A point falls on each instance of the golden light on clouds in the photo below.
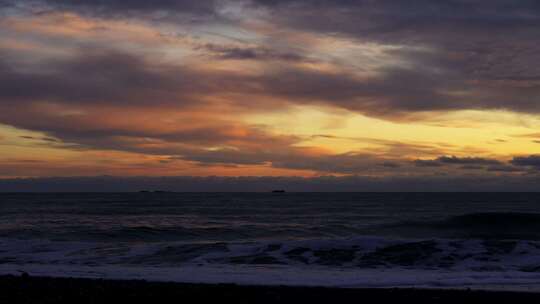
(246, 88)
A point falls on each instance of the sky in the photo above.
(372, 91)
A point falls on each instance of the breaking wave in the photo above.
(488, 225)
(362, 252)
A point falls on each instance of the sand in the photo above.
(26, 289)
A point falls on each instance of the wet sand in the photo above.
(25, 289)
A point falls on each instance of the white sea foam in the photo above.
(283, 275)
(356, 262)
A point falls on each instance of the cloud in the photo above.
(518, 164)
(125, 8)
(390, 164)
(46, 139)
(118, 101)
(504, 168)
(351, 163)
(185, 101)
(86, 98)
(450, 60)
(532, 161)
(345, 163)
(100, 77)
(427, 163)
(252, 53)
(266, 184)
(460, 55)
(432, 80)
(415, 21)
(466, 162)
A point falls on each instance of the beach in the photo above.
(26, 289)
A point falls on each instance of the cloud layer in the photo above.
(178, 83)
(267, 184)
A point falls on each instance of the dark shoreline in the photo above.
(25, 289)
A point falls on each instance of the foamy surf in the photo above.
(343, 240)
(280, 275)
(357, 262)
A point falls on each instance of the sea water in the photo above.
(326, 239)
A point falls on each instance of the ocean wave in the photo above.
(484, 225)
(359, 253)
(491, 219)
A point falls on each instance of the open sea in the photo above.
(483, 240)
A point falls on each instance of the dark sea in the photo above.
(485, 240)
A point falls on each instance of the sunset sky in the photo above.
(305, 88)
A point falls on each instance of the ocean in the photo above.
(455, 240)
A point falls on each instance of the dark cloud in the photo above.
(466, 162)
(127, 5)
(108, 76)
(252, 53)
(122, 78)
(518, 164)
(391, 92)
(266, 184)
(191, 10)
(427, 163)
(471, 167)
(390, 165)
(229, 156)
(504, 168)
(394, 20)
(387, 160)
(294, 158)
(466, 54)
(47, 139)
(345, 163)
(407, 22)
(100, 77)
(252, 146)
(532, 161)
